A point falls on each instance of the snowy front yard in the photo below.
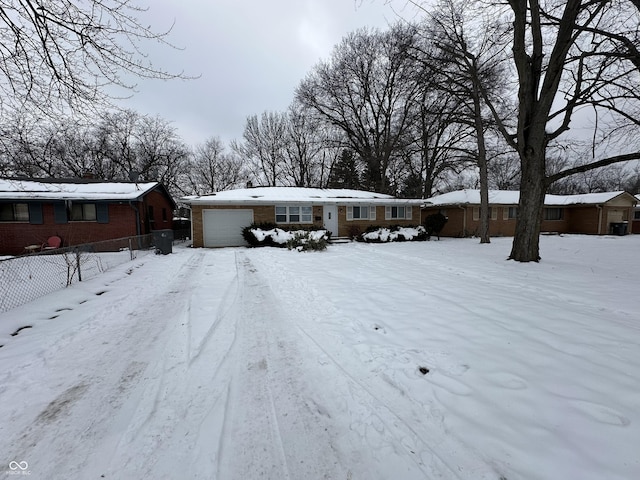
(394, 361)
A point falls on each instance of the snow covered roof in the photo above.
(509, 197)
(272, 195)
(15, 189)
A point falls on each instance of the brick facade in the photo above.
(15, 236)
(267, 214)
(579, 219)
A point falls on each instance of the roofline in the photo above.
(307, 201)
(546, 204)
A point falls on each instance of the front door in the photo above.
(330, 219)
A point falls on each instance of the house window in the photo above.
(164, 214)
(510, 213)
(14, 212)
(553, 214)
(397, 213)
(493, 213)
(294, 214)
(636, 215)
(361, 212)
(83, 212)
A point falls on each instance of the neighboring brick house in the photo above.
(592, 213)
(218, 219)
(78, 211)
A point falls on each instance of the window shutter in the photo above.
(476, 213)
(494, 213)
(408, 213)
(505, 213)
(387, 213)
(35, 213)
(102, 212)
(372, 212)
(60, 213)
(349, 213)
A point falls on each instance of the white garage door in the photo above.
(223, 228)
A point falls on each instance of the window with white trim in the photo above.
(398, 213)
(294, 214)
(361, 212)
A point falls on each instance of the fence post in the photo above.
(78, 264)
(130, 249)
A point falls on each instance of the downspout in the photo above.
(135, 208)
(464, 220)
(599, 207)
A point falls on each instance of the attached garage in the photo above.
(223, 228)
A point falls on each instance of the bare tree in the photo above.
(367, 90)
(112, 148)
(305, 144)
(568, 55)
(63, 53)
(211, 169)
(264, 147)
(467, 65)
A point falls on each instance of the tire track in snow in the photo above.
(269, 429)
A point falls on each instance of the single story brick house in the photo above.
(78, 211)
(591, 213)
(217, 219)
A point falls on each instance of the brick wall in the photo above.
(162, 212)
(575, 219)
(261, 214)
(351, 228)
(14, 236)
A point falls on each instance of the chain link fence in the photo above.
(27, 277)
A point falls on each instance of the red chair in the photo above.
(52, 243)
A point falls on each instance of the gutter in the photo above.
(464, 219)
(135, 208)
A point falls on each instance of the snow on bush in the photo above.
(395, 234)
(292, 239)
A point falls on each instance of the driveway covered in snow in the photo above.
(412, 361)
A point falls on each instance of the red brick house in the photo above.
(592, 213)
(78, 211)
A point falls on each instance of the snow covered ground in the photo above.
(368, 361)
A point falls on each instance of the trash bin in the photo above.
(163, 241)
(618, 228)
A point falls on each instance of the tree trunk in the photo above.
(526, 242)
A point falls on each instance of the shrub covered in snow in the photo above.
(394, 233)
(265, 234)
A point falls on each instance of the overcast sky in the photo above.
(250, 56)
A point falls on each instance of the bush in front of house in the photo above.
(270, 235)
(394, 233)
(308, 240)
(435, 223)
